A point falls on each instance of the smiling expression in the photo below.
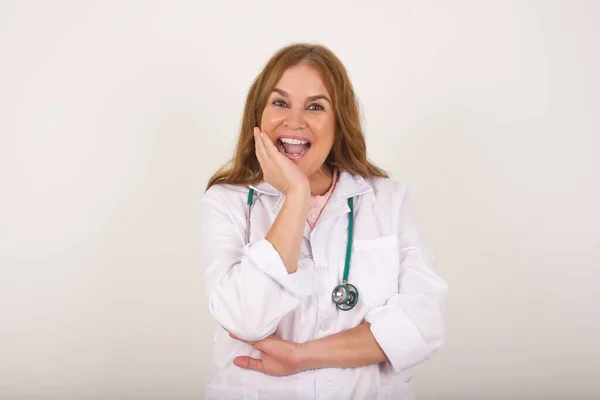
(299, 118)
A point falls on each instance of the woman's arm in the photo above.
(406, 330)
(250, 287)
(353, 348)
(286, 232)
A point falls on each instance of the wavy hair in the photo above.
(349, 148)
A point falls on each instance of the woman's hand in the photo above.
(353, 348)
(278, 357)
(287, 230)
(278, 170)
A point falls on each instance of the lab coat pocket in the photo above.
(375, 264)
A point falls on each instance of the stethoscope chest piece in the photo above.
(345, 296)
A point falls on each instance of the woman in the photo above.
(314, 269)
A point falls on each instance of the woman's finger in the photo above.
(261, 154)
(275, 155)
(249, 363)
(261, 151)
(269, 146)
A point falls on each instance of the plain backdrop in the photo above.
(113, 115)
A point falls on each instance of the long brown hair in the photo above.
(349, 148)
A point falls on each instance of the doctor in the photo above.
(314, 268)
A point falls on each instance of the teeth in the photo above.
(292, 141)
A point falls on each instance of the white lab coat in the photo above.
(251, 294)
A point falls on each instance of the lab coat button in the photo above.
(322, 269)
(325, 324)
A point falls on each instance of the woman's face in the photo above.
(299, 118)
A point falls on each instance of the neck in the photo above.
(320, 181)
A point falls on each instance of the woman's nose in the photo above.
(295, 120)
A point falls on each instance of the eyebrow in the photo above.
(309, 98)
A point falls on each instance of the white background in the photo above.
(114, 114)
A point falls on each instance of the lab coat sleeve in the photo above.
(248, 287)
(411, 325)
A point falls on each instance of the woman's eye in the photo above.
(279, 103)
(316, 107)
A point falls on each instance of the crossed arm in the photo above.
(353, 348)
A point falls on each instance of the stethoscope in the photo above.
(345, 296)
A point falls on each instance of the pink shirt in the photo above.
(318, 203)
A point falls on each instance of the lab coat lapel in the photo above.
(270, 197)
(348, 185)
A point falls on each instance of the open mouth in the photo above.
(293, 148)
